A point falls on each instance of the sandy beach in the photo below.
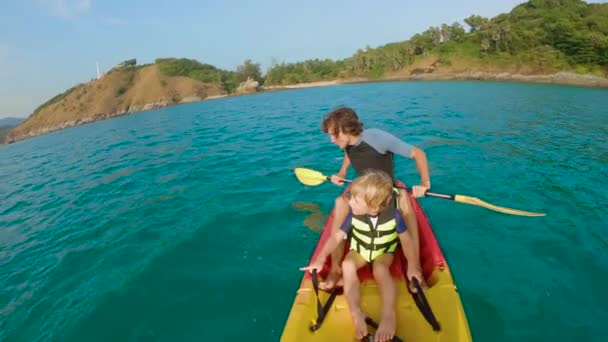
(563, 78)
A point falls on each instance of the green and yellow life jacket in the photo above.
(371, 242)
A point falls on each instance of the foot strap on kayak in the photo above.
(374, 325)
(321, 309)
(423, 305)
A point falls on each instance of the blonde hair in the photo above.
(376, 189)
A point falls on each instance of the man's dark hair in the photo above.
(343, 120)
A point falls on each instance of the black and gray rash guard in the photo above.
(375, 149)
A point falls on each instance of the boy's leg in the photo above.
(341, 210)
(386, 285)
(351, 264)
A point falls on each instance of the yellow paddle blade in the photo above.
(476, 201)
(310, 177)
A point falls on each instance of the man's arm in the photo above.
(338, 177)
(345, 165)
(422, 165)
(387, 142)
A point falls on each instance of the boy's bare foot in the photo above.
(333, 279)
(360, 325)
(386, 330)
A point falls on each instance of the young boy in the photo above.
(374, 229)
(372, 149)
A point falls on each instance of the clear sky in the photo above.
(47, 46)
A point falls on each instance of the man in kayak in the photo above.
(372, 149)
(374, 228)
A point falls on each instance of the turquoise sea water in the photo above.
(187, 224)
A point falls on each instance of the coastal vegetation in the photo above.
(536, 37)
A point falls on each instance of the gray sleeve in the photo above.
(385, 142)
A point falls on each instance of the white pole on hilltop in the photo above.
(98, 74)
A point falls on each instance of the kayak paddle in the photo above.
(314, 178)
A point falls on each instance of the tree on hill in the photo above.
(128, 62)
(228, 80)
(249, 70)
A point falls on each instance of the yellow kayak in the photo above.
(438, 315)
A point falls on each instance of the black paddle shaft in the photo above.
(322, 310)
(423, 305)
(427, 193)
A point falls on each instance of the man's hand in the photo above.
(420, 190)
(337, 179)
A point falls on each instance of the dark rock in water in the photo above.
(316, 220)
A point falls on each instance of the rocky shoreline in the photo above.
(562, 78)
(97, 117)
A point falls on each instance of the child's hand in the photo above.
(415, 273)
(318, 266)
